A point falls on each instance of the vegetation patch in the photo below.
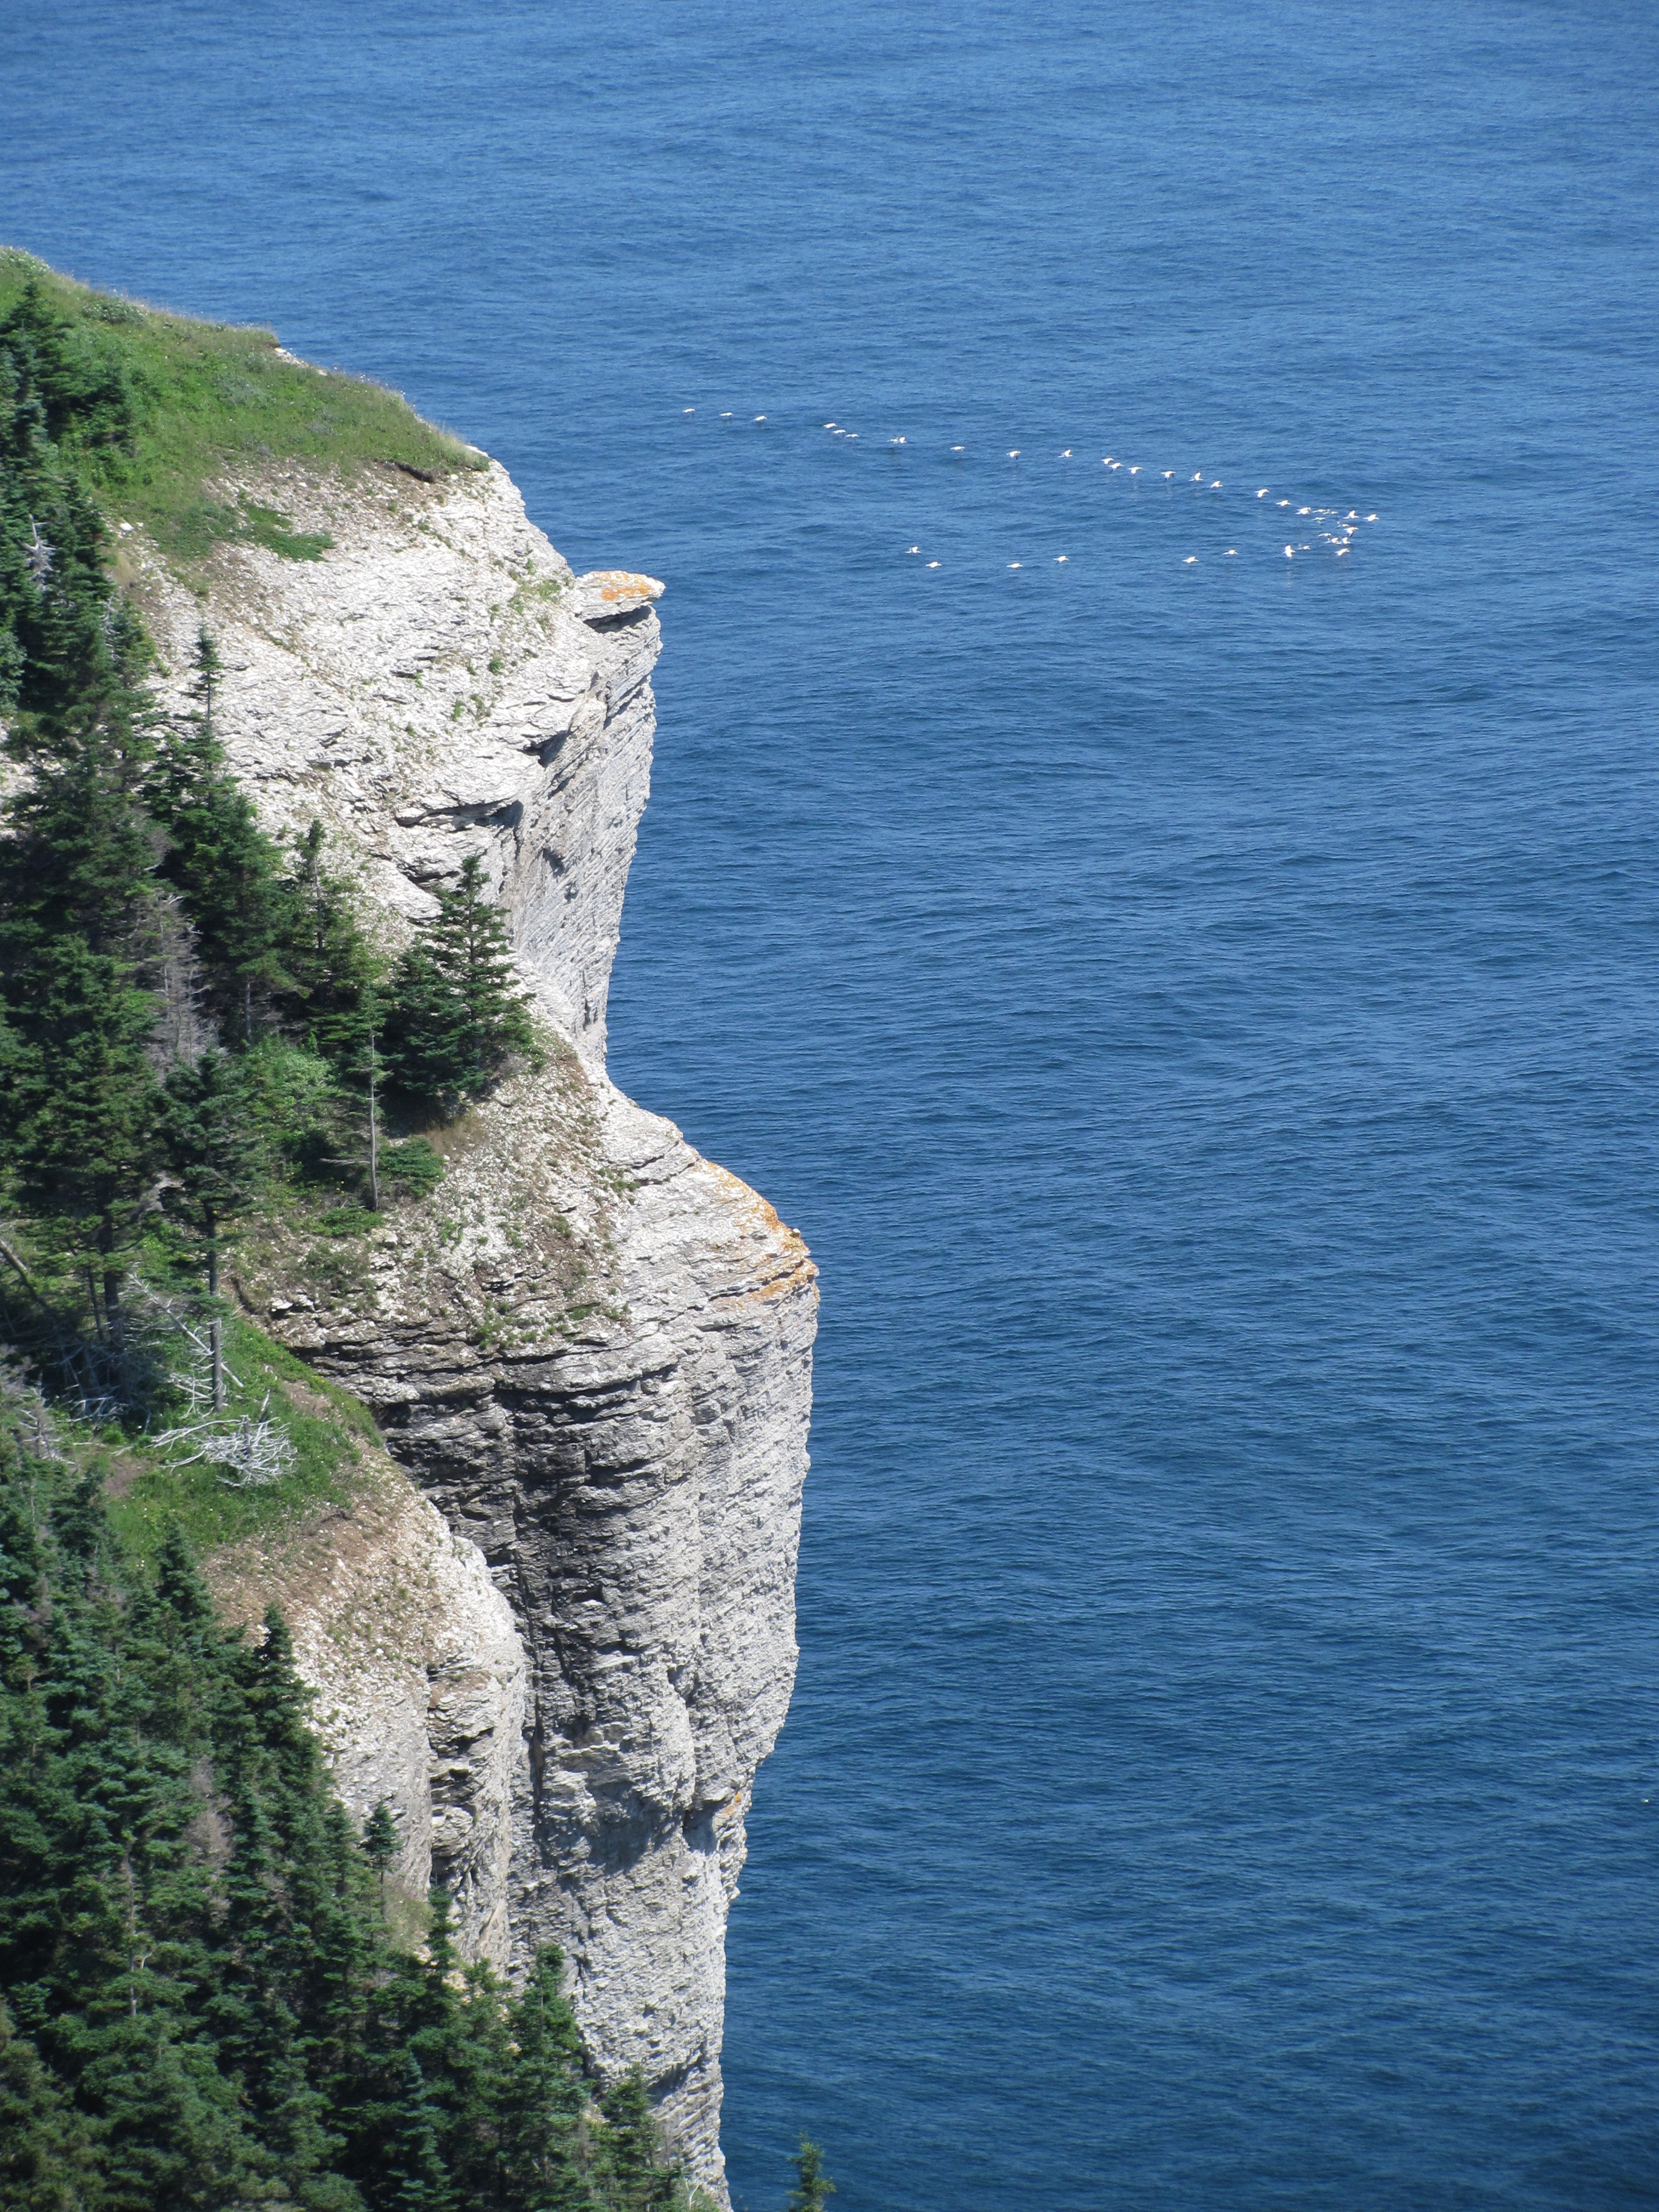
(208, 522)
(170, 404)
(320, 1438)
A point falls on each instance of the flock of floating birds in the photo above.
(1332, 531)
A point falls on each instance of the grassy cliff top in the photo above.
(208, 398)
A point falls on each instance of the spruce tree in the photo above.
(75, 891)
(412, 2177)
(61, 632)
(456, 1016)
(83, 1151)
(47, 2162)
(544, 2140)
(634, 2174)
(206, 2008)
(329, 968)
(86, 400)
(812, 2185)
(222, 863)
(216, 1158)
(380, 1839)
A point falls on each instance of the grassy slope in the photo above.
(337, 1448)
(328, 1429)
(211, 396)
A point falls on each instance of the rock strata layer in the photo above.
(591, 1348)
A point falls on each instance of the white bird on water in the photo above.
(913, 549)
(1067, 455)
(760, 418)
(1265, 489)
(933, 564)
(1168, 473)
(1013, 453)
(1189, 560)
(958, 449)
(1198, 476)
(1290, 552)
(1014, 564)
(829, 426)
(1135, 472)
(690, 410)
(726, 414)
(1062, 557)
(1233, 552)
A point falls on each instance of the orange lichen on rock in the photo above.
(622, 587)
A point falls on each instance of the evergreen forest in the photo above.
(202, 2005)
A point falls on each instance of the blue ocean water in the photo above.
(1198, 1005)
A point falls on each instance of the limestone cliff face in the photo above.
(592, 1348)
(420, 1676)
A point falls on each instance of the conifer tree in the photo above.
(47, 2157)
(412, 2174)
(83, 1145)
(812, 2185)
(75, 887)
(634, 2173)
(60, 631)
(545, 2136)
(216, 1158)
(329, 967)
(225, 2022)
(85, 398)
(380, 1839)
(221, 862)
(456, 1016)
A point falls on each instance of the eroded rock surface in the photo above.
(419, 1674)
(592, 1348)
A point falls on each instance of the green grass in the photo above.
(201, 526)
(326, 1426)
(209, 396)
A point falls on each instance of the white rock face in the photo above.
(438, 685)
(592, 1348)
(421, 1680)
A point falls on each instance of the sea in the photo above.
(1151, 867)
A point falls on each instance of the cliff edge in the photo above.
(591, 1349)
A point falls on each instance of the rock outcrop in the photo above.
(591, 1348)
(420, 1676)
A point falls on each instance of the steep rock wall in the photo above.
(592, 1348)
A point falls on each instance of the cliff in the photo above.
(591, 1349)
